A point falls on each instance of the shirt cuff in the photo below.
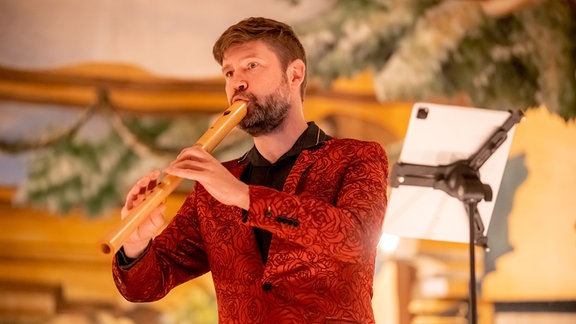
(125, 262)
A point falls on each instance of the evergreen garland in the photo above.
(75, 173)
(91, 175)
(423, 49)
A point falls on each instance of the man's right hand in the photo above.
(138, 240)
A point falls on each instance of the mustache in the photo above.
(242, 94)
(246, 96)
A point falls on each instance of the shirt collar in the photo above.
(312, 137)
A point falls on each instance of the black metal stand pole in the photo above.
(472, 306)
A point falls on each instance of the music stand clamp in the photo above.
(461, 180)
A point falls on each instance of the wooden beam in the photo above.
(134, 90)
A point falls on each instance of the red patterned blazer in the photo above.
(326, 224)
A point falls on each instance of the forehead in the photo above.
(252, 49)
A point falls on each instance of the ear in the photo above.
(296, 73)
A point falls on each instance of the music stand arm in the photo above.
(458, 180)
(477, 159)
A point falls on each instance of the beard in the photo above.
(267, 113)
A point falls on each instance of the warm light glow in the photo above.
(388, 243)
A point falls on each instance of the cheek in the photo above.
(229, 91)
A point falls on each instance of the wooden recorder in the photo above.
(229, 119)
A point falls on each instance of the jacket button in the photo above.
(266, 286)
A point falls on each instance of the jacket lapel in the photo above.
(303, 163)
(236, 167)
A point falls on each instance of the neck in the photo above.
(272, 146)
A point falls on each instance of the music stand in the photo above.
(450, 152)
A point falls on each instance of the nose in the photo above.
(238, 81)
(240, 85)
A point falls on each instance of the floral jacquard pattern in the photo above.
(326, 224)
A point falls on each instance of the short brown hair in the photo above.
(280, 37)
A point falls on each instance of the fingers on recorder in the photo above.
(141, 189)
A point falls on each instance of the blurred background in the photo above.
(93, 94)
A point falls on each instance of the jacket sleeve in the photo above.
(347, 228)
(173, 257)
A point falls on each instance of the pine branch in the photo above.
(523, 58)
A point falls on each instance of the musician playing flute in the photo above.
(289, 230)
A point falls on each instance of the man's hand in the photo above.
(194, 163)
(139, 239)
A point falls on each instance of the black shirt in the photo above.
(273, 175)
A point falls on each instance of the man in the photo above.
(289, 231)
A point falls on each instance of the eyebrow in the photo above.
(250, 55)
